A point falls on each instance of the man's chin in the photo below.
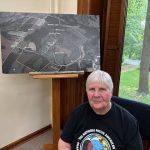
(98, 106)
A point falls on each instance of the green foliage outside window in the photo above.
(136, 47)
(135, 25)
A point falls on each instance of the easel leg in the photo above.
(56, 111)
(55, 114)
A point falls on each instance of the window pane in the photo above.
(135, 71)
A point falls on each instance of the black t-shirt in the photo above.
(116, 130)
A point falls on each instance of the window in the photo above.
(135, 70)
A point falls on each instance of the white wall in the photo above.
(64, 6)
(25, 103)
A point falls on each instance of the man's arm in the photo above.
(63, 145)
(133, 137)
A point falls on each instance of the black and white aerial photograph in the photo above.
(41, 42)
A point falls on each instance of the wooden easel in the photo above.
(55, 102)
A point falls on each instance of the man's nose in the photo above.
(96, 93)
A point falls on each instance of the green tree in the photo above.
(134, 28)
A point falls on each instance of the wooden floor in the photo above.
(36, 143)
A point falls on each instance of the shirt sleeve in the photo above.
(68, 131)
(133, 137)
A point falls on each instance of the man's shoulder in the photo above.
(124, 112)
(82, 106)
(80, 109)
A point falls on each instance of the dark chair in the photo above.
(141, 112)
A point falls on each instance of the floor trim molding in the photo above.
(26, 138)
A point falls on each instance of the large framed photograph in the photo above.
(40, 42)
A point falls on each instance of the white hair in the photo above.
(102, 77)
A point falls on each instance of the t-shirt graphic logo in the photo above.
(94, 141)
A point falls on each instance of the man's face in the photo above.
(99, 96)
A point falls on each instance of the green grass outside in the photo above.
(129, 83)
